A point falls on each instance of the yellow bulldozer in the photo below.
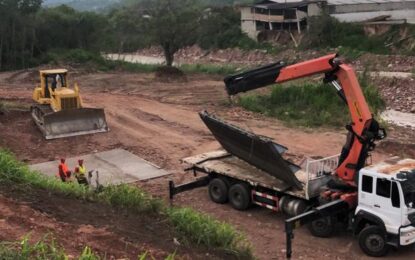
(58, 111)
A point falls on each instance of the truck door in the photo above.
(387, 204)
(367, 192)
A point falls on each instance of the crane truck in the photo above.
(375, 201)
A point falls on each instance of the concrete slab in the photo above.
(115, 167)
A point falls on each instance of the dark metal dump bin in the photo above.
(259, 151)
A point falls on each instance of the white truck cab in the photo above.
(385, 215)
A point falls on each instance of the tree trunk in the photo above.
(23, 46)
(32, 43)
(1, 51)
(168, 55)
(13, 43)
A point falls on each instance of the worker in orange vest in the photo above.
(64, 173)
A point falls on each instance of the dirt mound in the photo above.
(112, 233)
(398, 94)
(168, 74)
(397, 148)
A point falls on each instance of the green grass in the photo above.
(194, 226)
(96, 61)
(209, 69)
(309, 104)
(205, 230)
(47, 248)
(6, 105)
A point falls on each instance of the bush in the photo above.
(309, 104)
(43, 249)
(220, 29)
(326, 31)
(205, 230)
(79, 56)
(47, 248)
(209, 69)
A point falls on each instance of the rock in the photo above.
(176, 242)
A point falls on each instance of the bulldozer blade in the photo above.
(73, 122)
(256, 150)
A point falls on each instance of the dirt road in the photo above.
(158, 121)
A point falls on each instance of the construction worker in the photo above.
(80, 171)
(64, 173)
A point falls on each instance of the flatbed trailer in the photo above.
(224, 173)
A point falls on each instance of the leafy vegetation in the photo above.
(205, 230)
(192, 225)
(47, 248)
(326, 31)
(309, 104)
(209, 69)
(220, 29)
(97, 61)
(30, 33)
(170, 24)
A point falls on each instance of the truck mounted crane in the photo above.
(377, 202)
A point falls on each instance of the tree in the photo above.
(172, 24)
(16, 31)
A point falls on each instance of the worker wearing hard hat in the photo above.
(64, 174)
(80, 171)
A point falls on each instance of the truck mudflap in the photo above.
(330, 209)
(256, 150)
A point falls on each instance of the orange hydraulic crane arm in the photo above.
(363, 130)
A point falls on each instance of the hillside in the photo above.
(95, 5)
(83, 5)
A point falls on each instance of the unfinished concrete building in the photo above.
(269, 16)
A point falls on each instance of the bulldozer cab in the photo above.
(53, 79)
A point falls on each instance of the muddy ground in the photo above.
(159, 122)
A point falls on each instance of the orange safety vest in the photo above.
(64, 168)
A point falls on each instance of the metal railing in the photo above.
(322, 167)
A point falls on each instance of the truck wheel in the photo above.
(322, 227)
(372, 241)
(218, 191)
(240, 196)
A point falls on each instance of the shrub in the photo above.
(326, 31)
(309, 104)
(205, 230)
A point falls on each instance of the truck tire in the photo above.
(322, 227)
(218, 191)
(240, 196)
(372, 241)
